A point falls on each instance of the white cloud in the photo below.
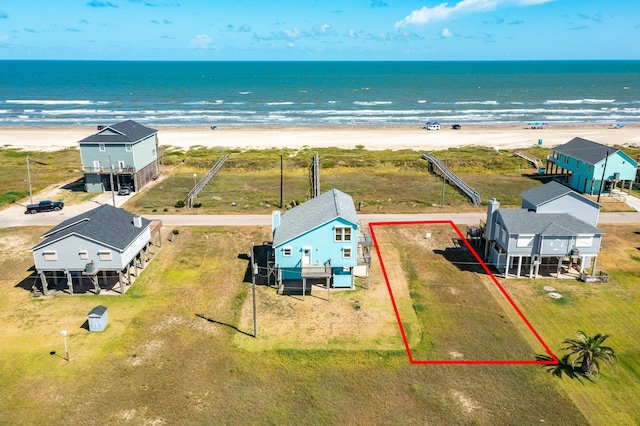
(294, 33)
(443, 11)
(446, 33)
(201, 41)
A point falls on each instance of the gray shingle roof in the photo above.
(314, 213)
(126, 132)
(585, 150)
(106, 224)
(549, 192)
(521, 221)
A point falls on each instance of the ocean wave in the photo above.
(216, 102)
(47, 102)
(372, 103)
(280, 103)
(78, 112)
(580, 101)
(208, 112)
(476, 103)
(372, 112)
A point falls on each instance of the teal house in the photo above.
(317, 241)
(123, 154)
(591, 168)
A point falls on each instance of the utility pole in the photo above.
(280, 180)
(253, 289)
(604, 170)
(29, 180)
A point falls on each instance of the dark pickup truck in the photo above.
(44, 206)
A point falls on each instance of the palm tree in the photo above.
(562, 368)
(589, 352)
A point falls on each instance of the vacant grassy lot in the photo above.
(457, 304)
(170, 353)
(46, 169)
(379, 181)
(382, 181)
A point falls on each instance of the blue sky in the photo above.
(319, 30)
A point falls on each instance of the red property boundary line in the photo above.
(372, 225)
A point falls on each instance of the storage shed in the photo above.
(98, 318)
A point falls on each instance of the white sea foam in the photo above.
(372, 103)
(477, 103)
(580, 101)
(280, 103)
(47, 102)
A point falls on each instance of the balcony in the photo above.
(316, 271)
(104, 170)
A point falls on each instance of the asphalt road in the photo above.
(13, 216)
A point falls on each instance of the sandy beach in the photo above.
(374, 138)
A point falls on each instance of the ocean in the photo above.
(72, 93)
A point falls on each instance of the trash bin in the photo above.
(97, 318)
(539, 141)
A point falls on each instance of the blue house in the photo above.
(588, 166)
(317, 240)
(123, 154)
(553, 197)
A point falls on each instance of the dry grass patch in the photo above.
(357, 319)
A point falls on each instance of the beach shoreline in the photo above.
(498, 136)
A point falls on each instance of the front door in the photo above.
(96, 165)
(306, 256)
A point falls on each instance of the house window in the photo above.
(343, 234)
(127, 147)
(104, 255)
(84, 255)
(50, 255)
(102, 148)
(286, 251)
(346, 253)
(584, 241)
(525, 240)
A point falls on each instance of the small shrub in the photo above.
(179, 204)
(154, 210)
(197, 205)
(175, 232)
(165, 210)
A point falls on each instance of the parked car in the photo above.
(44, 206)
(456, 127)
(124, 191)
(434, 126)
